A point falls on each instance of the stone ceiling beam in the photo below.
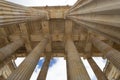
(25, 35)
(88, 45)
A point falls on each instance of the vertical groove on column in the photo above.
(12, 13)
(76, 68)
(24, 71)
(111, 54)
(103, 20)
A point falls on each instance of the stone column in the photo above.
(99, 74)
(76, 68)
(67, 67)
(10, 48)
(25, 70)
(110, 53)
(12, 13)
(44, 69)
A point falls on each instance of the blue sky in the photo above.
(52, 62)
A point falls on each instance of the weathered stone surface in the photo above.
(75, 67)
(10, 48)
(25, 70)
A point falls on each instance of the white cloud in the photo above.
(58, 70)
(44, 2)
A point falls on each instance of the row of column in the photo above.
(110, 53)
(76, 69)
(99, 16)
(24, 71)
(11, 13)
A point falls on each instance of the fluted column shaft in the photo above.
(111, 54)
(11, 13)
(99, 74)
(25, 70)
(10, 48)
(76, 68)
(104, 20)
(43, 73)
